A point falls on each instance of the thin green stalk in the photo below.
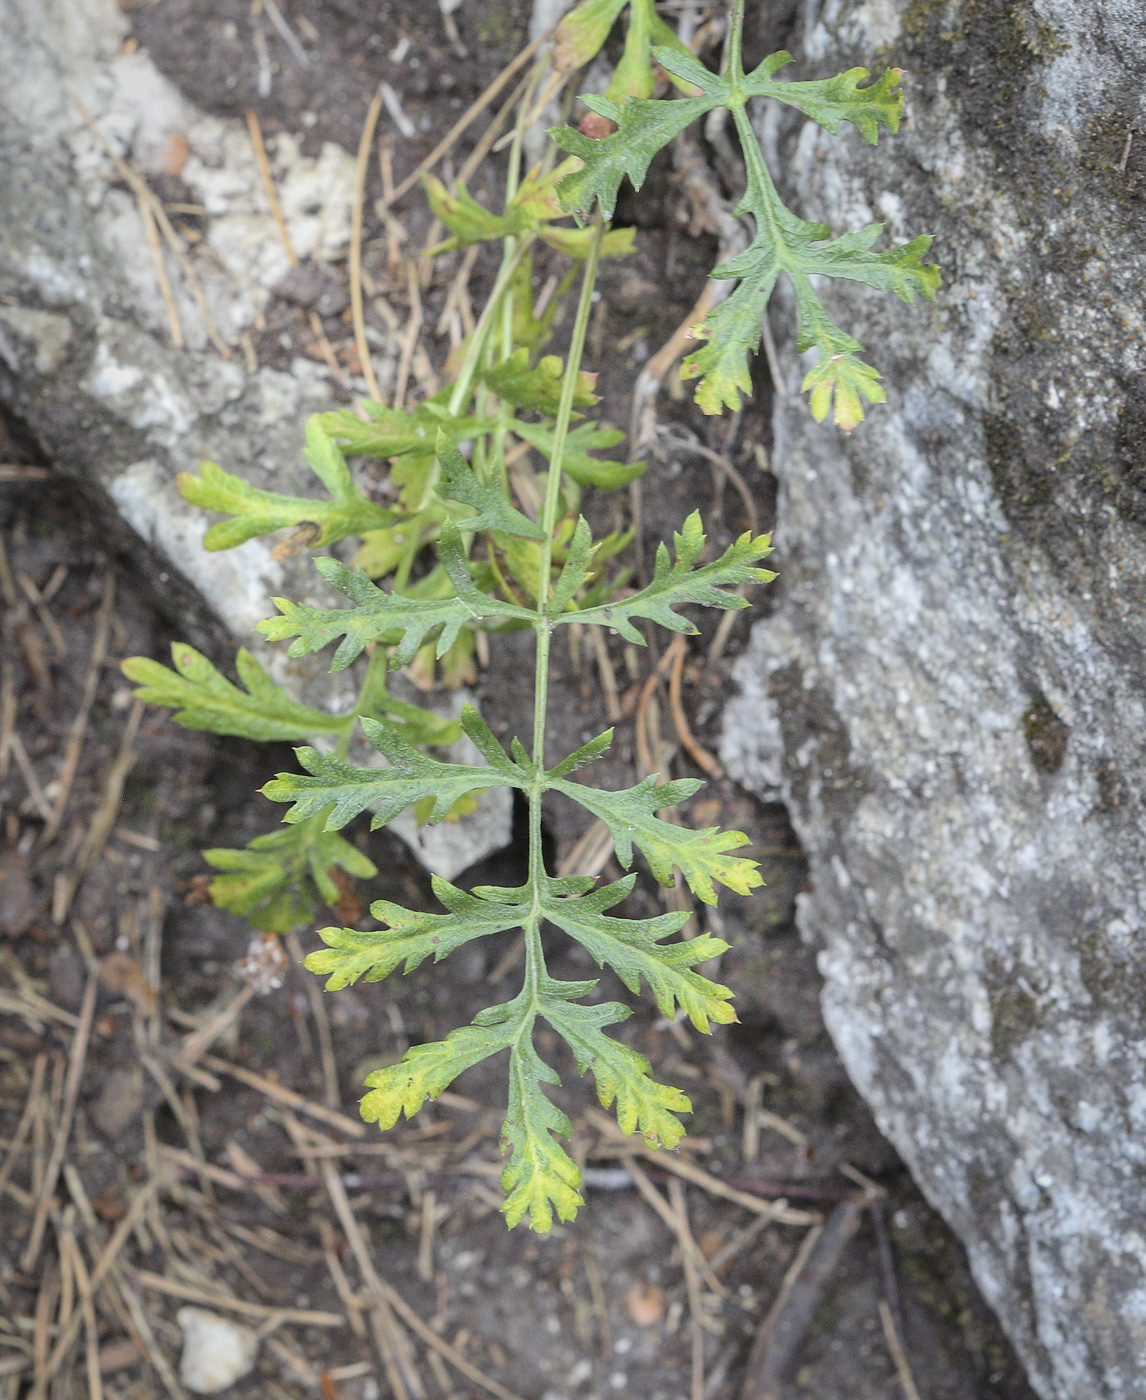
(373, 689)
(544, 627)
(735, 30)
(477, 343)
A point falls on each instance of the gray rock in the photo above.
(86, 348)
(950, 693)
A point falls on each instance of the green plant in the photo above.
(490, 563)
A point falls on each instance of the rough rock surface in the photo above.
(950, 692)
(86, 346)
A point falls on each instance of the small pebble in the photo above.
(216, 1351)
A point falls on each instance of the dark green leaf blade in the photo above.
(329, 781)
(644, 126)
(459, 482)
(830, 101)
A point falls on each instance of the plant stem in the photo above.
(534, 957)
(465, 378)
(735, 29)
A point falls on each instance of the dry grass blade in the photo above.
(47, 621)
(608, 675)
(692, 1284)
(24, 1126)
(646, 757)
(494, 130)
(470, 115)
(778, 1210)
(76, 1061)
(359, 319)
(196, 1045)
(397, 1302)
(216, 1298)
(17, 471)
(321, 1025)
(24, 763)
(413, 331)
(393, 1346)
(695, 749)
(591, 853)
(787, 1323)
(141, 1332)
(91, 1327)
(145, 196)
(898, 1355)
(269, 185)
(151, 232)
(288, 1097)
(79, 725)
(103, 820)
(103, 1266)
(342, 1286)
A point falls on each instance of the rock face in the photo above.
(128, 381)
(951, 693)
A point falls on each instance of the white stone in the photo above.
(216, 1351)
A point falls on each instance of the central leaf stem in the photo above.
(535, 964)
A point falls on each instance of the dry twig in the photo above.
(791, 1315)
(356, 312)
(76, 1061)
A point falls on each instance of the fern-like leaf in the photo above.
(256, 512)
(279, 879)
(412, 776)
(623, 1075)
(540, 1176)
(635, 948)
(206, 699)
(675, 583)
(392, 618)
(700, 856)
(410, 937)
(425, 1070)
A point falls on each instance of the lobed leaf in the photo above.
(539, 387)
(634, 948)
(830, 101)
(576, 460)
(623, 1075)
(392, 618)
(540, 1177)
(701, 856)
(330, 781)
(643, 128)
(391, 432)
(205, 699)
(425, 1070)
(675, 583)
(257, 512)
(280, 878)
(410, 937)
(459, 482)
